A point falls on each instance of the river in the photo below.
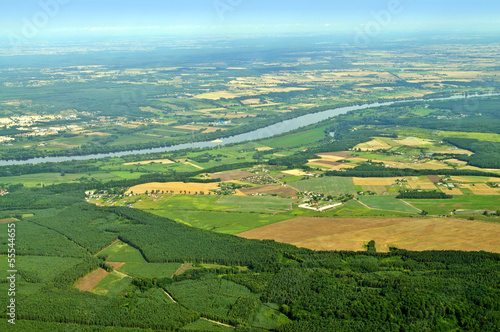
(265, 132)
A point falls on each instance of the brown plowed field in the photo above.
(281, 191)
(91, 280)
(228, 176)
(406, 233)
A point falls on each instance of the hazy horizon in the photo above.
(38, 19)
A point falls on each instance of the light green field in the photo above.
(122, 252)
(446, 206)
(256, 204)
(334, 186)
(149, 270)
(34, 180)
(389, 203)
(222, 222)
(112, 285)
(183, 202)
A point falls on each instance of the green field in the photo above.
(149, 270)
(222, 222)
(112, 285)
(35, 180)
(468, 203)
(183, 202)
(334, 186)
(122, 252)
(389, 203)
(256, 204)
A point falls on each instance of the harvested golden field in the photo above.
(294, 172)
(376, 144)
(406, 233)
(451, 191)
(8, 220)
(177, 187)
(231, 175)
(374, 181)
(264, 148)
(331, 157)
(325, 163)
(252, 101)
(456, 162)
(146, 162)
(420, 182)
(481, 189)
(91, 280)
(414, 141)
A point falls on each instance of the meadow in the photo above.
(389, 203)
(334, 186)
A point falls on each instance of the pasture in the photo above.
(256, 204)
(221, 222)
(334, 186)
(270, 190)
(414, 234)
(149, 270)
(388, 203)
(122, 252)
(466, 203)
(112, 285)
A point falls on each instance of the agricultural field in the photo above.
(405, 233)
(223, 222)
(149, 270)
(334, 186)
(122, 252)
(389, 203)
(283, 191)
(477, 204)
(175, 187)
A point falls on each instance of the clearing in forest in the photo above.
(91, 280)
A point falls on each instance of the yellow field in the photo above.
(177, 187)
(481, 189)
(145, 162)
(251, 101)
(420, 182)
(406, 233)
(414, 141)
(452, 191)
(375, 144)
(330, 157)
(263, 148)
(294, 172)
(374, 181)
(456, 162)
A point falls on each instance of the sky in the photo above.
(42, 18)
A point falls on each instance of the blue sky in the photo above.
(170, 17)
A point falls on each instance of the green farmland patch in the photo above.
(149, 270)
(466, 203)
(334, 186)
(122, 252)
(389, 203)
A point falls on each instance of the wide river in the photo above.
(265, 132)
